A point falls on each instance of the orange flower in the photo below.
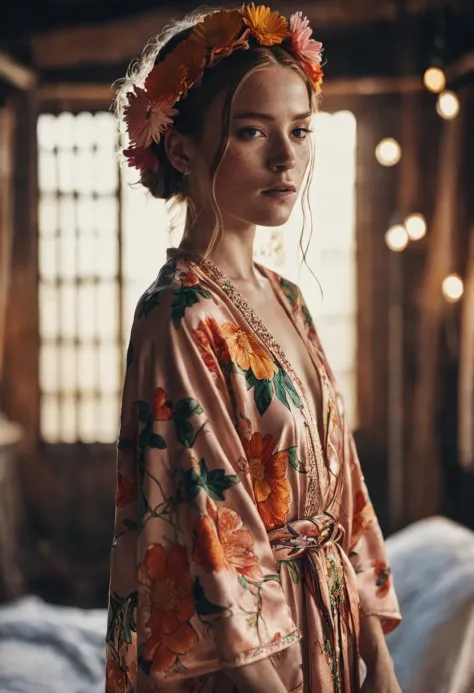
(179, 71)
(315, 74)
(269, 28)
(115, 678)
(162, 408)
(268, 473)
(247, 352)
(126, 492)
(363, 515)
(384, 581)
(221, 543)
(211, 343)
(220, 33)
(165, 582)
(187, 278)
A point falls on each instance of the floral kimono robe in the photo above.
(240, 534)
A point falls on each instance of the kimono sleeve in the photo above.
(367, 549)
(194, 585)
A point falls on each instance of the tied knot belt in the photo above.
(325, 569)
(294, 539)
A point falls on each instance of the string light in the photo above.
(434, 79)
(388, 152)
(453, 288)
(415, 225)
(447, 105)
(397, 238)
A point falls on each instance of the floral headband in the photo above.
(149, 112)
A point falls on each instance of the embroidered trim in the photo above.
(266, 650)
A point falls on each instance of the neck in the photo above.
(233, 254)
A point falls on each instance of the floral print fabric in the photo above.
(219, 456)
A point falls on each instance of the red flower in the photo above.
(162, 407)
(383, 577)
(126, 492)
(212, 344)
(142, 158)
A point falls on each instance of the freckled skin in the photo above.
(261, 152)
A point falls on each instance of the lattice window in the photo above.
(102, 241)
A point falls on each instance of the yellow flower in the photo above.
(220, 33)
(269, 28)
(247, 352)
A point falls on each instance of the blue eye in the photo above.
(303, 132)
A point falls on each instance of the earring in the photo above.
(186, 172)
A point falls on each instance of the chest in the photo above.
(278, 322)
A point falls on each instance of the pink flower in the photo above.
(302, 45)
(146, 120)
(141, 158)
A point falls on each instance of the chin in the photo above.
(271, 216)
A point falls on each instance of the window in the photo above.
(102, 241)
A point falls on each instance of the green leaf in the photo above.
(290, 291)
(263, 395)
(146, 433)
(147, 305)
(243, 581)
(290, 388)
(143, 411)
(186, 408)
(217, 482)
(269, 578)
(294, 461)
(280, 388)
(293, 569)
(156, 441)
(130, 524)
(202, 605)
(190, 483)
(184, 432)
(250, 379)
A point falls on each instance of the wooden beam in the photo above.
(15, 73)
(120, 40)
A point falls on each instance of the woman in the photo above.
(247, 556)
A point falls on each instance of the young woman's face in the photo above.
(262, 171)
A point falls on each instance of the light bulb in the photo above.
(388, 152)
(415, 225)
(453, 288)
(447, 105)
(434, 79)
(396, 238)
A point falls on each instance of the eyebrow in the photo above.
(267, 116)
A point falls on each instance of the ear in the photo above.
(179, 150)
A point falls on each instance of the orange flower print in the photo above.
(166, 585)
(363, 517)
(268, 473)
(162, 408)
(211, 343)
(146, 122)
(383, 578)
(126, 492)
(221, 543)
(187, 278)
(269, 28)
(247, 352)
(115, 678)
(220, 33)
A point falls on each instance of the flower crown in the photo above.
(149, 112)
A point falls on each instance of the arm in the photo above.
(199, 535)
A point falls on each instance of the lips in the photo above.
(282, 188)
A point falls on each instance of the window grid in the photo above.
(102, 240)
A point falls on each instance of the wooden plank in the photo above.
(120, 40)
(6, 218)
(15, 73)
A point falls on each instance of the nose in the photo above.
(282, 155)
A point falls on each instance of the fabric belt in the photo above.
(330, 578)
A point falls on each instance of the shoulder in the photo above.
(179, 299)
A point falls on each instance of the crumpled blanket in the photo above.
(433, 568)
(52, 649)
